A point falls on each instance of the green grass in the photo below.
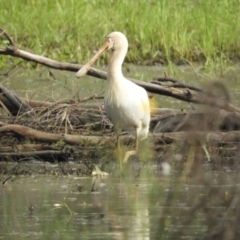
(166, 31)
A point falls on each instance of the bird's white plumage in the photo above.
(126, 104)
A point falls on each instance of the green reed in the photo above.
(166, 31)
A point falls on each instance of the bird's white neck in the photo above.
(115, 65)
(115, 90)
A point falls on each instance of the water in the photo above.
(39, 207)
(48, 207)
(49, 84)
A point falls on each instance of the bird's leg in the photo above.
(118, 149)
(118, 143)
(133, 152)
(117, 146)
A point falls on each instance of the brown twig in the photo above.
(175, 83)
(4, 33)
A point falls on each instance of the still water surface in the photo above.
(48, 207)
(48, 84)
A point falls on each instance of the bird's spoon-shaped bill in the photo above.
(88, 65)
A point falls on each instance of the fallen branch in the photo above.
(12, 103)
(219, 138)
(50, 137)
(204, 120)
(48, 155)
(187, 94)
(163, 138)
(174, 83)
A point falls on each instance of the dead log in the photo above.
(27, 147)
(12, 103)
(25, 156)
(219, 138)
(163, 138)
(188, 94)
(203, 120)
(36, 135)
(223, 143)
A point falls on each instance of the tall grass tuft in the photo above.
(166, 31)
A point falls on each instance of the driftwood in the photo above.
(201, 120)
(218, 137)
(33, 134)
(12, 103)
(49, 155)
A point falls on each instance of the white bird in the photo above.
(126, 104)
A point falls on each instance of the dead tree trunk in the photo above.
(12, 103)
